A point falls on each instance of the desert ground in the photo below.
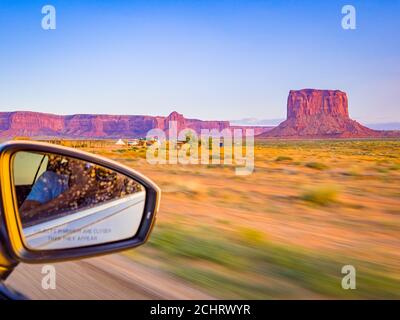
(285, 231)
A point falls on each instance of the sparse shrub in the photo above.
(251, 236)
(120, 150)
(283, 158)
(354, 171)
(395, 166)
(316, 165)
(382, 169)
(351, 173)
(190, 188)
(322, 195)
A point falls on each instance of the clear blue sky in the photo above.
(206, 59)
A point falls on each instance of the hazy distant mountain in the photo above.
(256, 122)
(385, 126)
(276, 122)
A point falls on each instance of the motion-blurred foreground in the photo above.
(286, 231)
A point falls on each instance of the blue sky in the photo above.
(205, 59)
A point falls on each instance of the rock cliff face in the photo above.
(311, 102)
(195, 124)
(89, 126)
(319, 114)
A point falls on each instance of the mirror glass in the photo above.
(65, 202)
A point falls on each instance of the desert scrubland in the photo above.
(285, 231)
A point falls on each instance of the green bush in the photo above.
(322, 195)
(316, 165)
(283, 158)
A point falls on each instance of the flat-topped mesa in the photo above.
(315, 113)
(98, 126)
(308, 102)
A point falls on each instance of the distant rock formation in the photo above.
(320, 114)
(91, 126)
(310, 114)
(196, 125)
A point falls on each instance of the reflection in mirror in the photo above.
(65, 202)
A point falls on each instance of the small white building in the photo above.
(120, 142)
(133, 142)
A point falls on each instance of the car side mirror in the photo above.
(59, 203)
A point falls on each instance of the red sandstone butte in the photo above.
(315, 113)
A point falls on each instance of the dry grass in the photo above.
(285, 231)
(321, 195)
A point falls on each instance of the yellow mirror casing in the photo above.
(12, 246)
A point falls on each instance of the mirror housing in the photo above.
(11, 233)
